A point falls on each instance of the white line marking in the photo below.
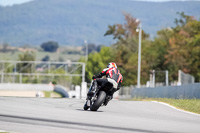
(176, 108)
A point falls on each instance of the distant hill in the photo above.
(70, 22)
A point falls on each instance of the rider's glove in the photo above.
(94, 77)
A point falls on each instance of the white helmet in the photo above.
(111, 64)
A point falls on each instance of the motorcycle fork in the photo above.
(94, 97)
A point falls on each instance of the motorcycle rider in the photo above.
(112, 82)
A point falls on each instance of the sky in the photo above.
(11, 2)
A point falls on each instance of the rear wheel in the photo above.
(100, 99)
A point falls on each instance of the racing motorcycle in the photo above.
(98, 97)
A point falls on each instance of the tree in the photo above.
(172, 49)
(26, 67)
(154, 53)
(97, 61)
(178, 48)
(98, 49)
(91, 48)
(125, 31)
(126, 47)
(46, 58)
(181, 46)
(50, 46)
(5, 48)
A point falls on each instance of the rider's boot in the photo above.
(108, 98)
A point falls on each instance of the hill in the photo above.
(70, 22)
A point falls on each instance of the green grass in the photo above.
(49, 94)
(3, 131)
(41, 54)
(192, 105)
(9, 56)
(56, 56)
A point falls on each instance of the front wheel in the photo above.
(86, 106)
(100, 99)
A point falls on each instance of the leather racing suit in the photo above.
(112, 81)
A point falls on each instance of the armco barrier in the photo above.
(188, 91)
(27, 87)
(61, 90)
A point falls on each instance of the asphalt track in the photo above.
(43, 115)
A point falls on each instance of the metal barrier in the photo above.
(34, 87)
(61, 90)
(18, 87)
(188, 91)
(125, 92)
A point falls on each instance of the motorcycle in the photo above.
(98, 98)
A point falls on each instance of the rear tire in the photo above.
(100, 99)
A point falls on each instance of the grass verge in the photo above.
(49, 94)
(192, 105)
(3, 131)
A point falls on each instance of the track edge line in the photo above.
(166, 104)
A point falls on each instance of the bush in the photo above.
(50, 46)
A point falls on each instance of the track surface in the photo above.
(42, 115)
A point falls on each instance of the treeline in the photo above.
(172, 49)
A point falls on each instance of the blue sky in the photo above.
(11, 2)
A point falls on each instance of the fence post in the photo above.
(20, 78)
(167, 79)
(2, 77)
(49, 67)
(179, 77)
(83, 72)
(153, 78)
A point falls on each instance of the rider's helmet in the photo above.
(111, 64)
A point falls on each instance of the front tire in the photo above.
(86, 107)
(100, 99)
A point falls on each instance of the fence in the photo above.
(188, 91)
(125, 92)
(184, 78)
(41, 72)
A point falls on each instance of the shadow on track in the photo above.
(89, 110)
